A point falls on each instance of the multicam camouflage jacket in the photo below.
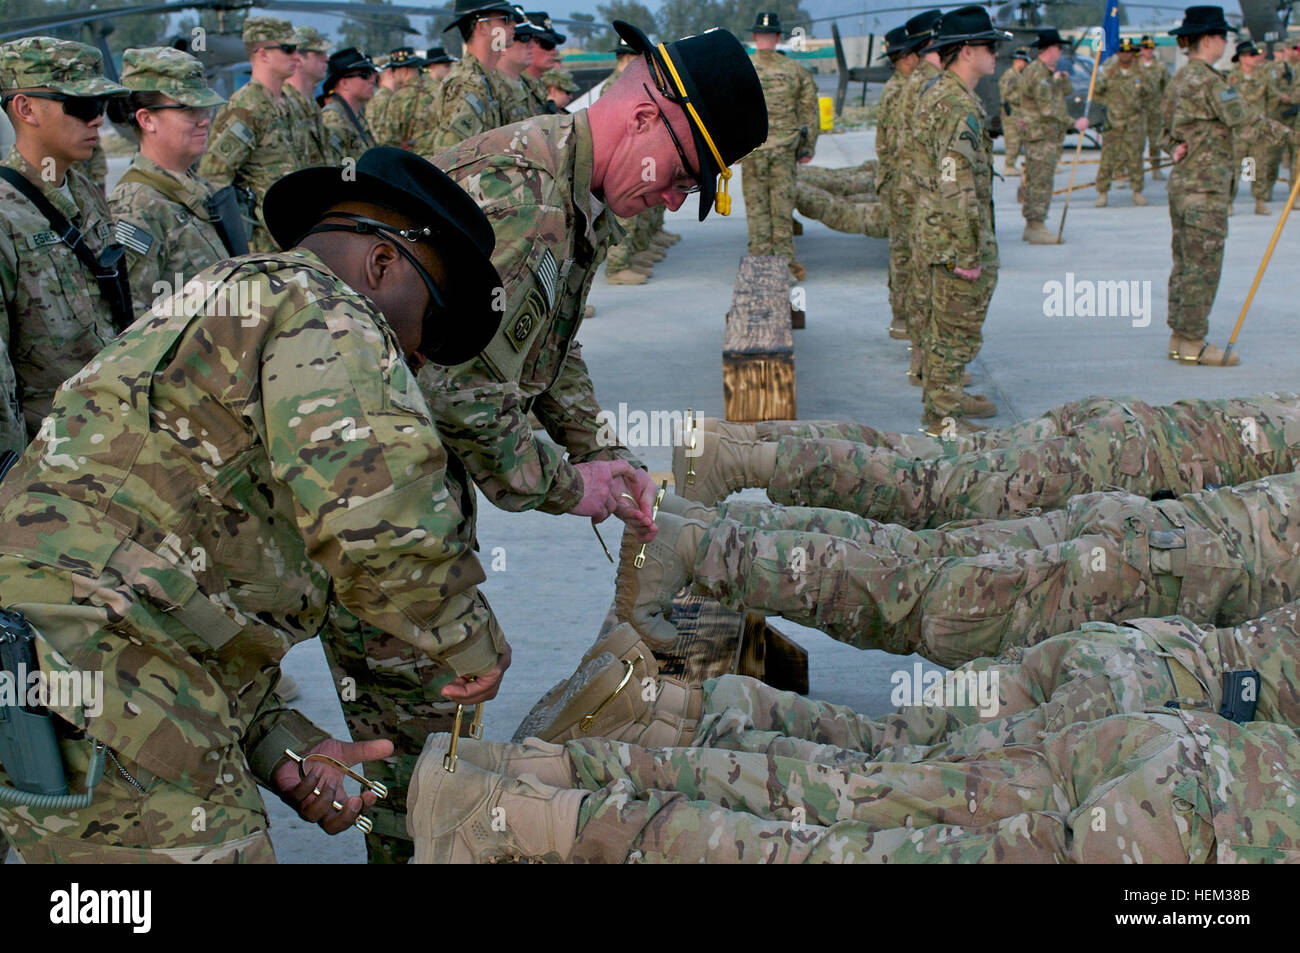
(166, 241)
(535, 95)
(1202, 110)
(1123, 92)
(467, 104)
(211, 484)
(375, 110)
(350, 139)
(411, 117)
(1157, 77)
(533, 181)
(791, 95)
(888, 128)
(906, 136)
(57, 319)
(1042, 113)
(312, 142)
(512, 95)
(252, 144)
(953, 222)
(1258, 89)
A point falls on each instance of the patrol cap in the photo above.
(471, 9)
(1048, 36)
(965, 25)
(42, 62)
(174, 73)
(767, 22)
(405, 56)
(1128, 45)
(310, 39)
(919, 29)
(412, 186)
(268, 30)
(895, 43)
(1022, 54)
(711, 77)
(1198, 21)
(1245, 48)
(560, 79)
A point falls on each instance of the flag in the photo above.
(1110, 30)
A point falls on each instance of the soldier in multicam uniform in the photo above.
(550, 216)
(506, 77)
(1124, 90)
(54, 95)
(767, 174)
(312, 142)
(560, 87)
(890, 148)
(467, 100)
(1042, 122)
(917, 481)
(348, 87)
(160, 207)
(1287, 73)
(545, 42)
(216, 539)
(1257, 86)
(954, 248)
(1202, 115)
(842, 214)
(1157, 76)
(253, 141)
(1008, 90)
(410, 116)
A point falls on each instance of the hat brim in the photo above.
(297, 202)
(506, 8)
(709, 171)
(1200, 30)
(95, 86)
(938, 42)
(196, 97)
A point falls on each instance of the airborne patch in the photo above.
(526, 321)
(547, 275)
(134, 238)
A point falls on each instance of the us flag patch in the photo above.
(136, 239)
(548, 273)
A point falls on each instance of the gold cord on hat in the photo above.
(721, 198)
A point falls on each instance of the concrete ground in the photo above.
(658, 347)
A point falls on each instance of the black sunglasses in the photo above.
(85, 108)
(289, 48)
(681, 153)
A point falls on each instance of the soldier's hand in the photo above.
(314, 795)
(1081, 123)
(604, 482)
(1180, 151)
(637, 514)
(472, 689)
(970, 274)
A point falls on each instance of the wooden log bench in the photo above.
(758, 380)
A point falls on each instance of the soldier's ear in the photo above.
(642, 117)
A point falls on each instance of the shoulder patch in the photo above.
(1228, 95)
(475, 104)
(547, 275)
(133, 237)
(241, 132)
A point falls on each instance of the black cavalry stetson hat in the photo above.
(436, 55)
(713, 80)
(767, 21)
(1201, 20)
(405, 56)
(895, 42)
(1048, 36)
(347, 60)
(1245, 48)
(402, 181)
(919, 29)
(545, 28)
(965, 25)
(464, 9)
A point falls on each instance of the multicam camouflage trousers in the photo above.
(1095, 444)
(1175, 787)
(1041, 156)
(859, 180)
(1152, 134)
(844, 214)
(952, 333)
(1121, 155)
(960, 593)
(767, 178)
(1200, 228)
(899, 202)
(1257, 166)
(1011, 143)
(619, 256)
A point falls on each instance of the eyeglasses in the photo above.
(678, 185)
(191, 114)
(359, 74)
(85, 108)
(545, 44)
(290, 48)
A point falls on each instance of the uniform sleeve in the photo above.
(355, 443)
(570, 414)
(957, 191)
(144, 267)
(461, 112)
(809, 110)
(13, 430)
(231, 142)
(1246, 122)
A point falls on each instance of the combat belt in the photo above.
(222, 209)
(108, 267)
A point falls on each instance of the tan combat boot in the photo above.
(547, 762)
(643, 259)
(671, 237)
(1037, 234)
(1140, 199)
(658, 241)
(736, 431)
(944, 427)
(1102, 200)
(643, 594)
(1261, 207)
(653, 253)
(1199, 351)
(641, 269)
(472, 816)
(977, 405)
(625, 277)
(719, 465)
(616, 693)
(798, 271)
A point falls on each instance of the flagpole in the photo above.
(1078, 146)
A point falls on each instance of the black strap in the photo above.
(109, 267)
(366, 138)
